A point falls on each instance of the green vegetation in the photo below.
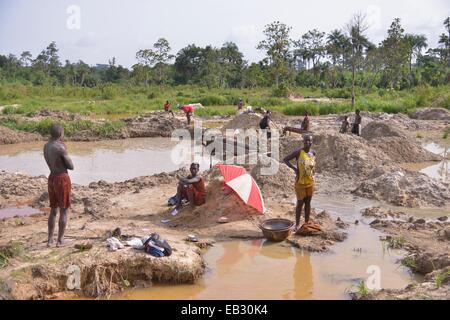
(362, 290)
(441, 277)
(105, 130)
(445, 135)
(123, 99)
(13, 250)
(395, 242)
(409, 262)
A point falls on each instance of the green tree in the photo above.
(312, 47)
(277, 47)
(357, 43)
(397, 52)
(187, 64)
(26, 58)
(233, 63)
(416, 42)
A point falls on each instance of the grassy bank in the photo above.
(111, 99)
(104, 130)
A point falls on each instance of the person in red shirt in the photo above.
(188, 110)
(168, 108)
(191, 188)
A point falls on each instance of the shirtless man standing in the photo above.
(59, 184)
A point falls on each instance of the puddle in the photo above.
(436, 148)
(18, 211)
(112, 161)
(262, 270)
(439, 171)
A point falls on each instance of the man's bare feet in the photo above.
(61, 243)
(50, 242)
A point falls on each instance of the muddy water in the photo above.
(440, 170)
(111, 161)
(18, 211)
(261, 270)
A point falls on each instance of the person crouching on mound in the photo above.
(191, 188)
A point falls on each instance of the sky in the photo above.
(97, 30)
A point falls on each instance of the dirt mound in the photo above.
(244, 122)
(402, 150)
(104, 273)
(395, 143)
(378, 129)
(281, 182)
(8, 136)
(398, 120)
(57, 114)
(431, 114)
(406, 188)
(218, 204)
(339, 154)
(155, 124)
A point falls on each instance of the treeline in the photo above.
(343, 58)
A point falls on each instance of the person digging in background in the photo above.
(191, 188)
(240, 104)
(264, 124)
(168, 108)
(304, 181)
(188, 110)
(344, 125)
(59, 184)
(356, 128)
(305, 126)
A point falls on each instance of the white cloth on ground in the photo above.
(135, 243)
(114, 244)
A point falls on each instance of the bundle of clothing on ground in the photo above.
(153, 244)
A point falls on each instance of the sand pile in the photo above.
(431, 114)
(156, 124)
(8, 136)
(281, 181)
(218, 204)
(244, 122)
(339, 154)
(378, 129)
(402, 150)
(395, 143)
(405, 188)
(398, 120)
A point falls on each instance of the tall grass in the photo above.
(115, 99)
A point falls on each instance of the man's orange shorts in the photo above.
(302, 191)
(59, 187)
(199, 197)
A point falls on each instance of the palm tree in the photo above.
(357, 43)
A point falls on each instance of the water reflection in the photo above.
(112, 161)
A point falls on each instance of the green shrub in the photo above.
(213, 101)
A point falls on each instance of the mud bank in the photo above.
(8, 136)
(431, 114)
(428, 245)
(155, 124)
(404, 188)
(101, 272)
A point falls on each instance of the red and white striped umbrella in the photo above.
(238, 179)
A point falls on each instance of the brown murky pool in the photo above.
(112, 161)
(21, 211)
